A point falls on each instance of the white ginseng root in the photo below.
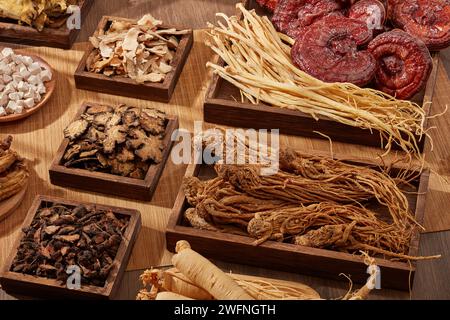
(206, 275)
(166, 295)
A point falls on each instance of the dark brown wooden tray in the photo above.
(127, 87)
(290, 257)
(11, 31)
(108, 183)
(221, 107)
(22, 284)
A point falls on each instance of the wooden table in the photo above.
(38, 137)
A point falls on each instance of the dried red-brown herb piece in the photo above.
(292, 16)
(328, 50)
(76, 129)
(404, 63)
(428, 20)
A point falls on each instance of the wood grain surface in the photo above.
(37, 138)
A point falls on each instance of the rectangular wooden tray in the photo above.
(127, 87)
(11, 31)
(28, 285)
(290, 257)
(220, 107)
(108, 183)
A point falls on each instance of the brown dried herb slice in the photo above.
(146, 148)
(153, 121)
(121, 168)
(99, 109)
(115, 135)
(76, 129)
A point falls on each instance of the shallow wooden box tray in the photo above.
(28, 285)
(220, 107)
(124, 86)
(290, 257)
(109, 183)
(11, 31)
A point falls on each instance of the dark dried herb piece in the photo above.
(123, 141)
(61, 236)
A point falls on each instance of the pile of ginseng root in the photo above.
(194, 277)
(312, 201)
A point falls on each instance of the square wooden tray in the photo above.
(11, 31)
(28, 285)
(290, 257)
(124, 86)
(220, 107)
(109, 183)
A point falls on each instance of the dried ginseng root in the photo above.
(312, 201)
(336, 227)
(61, 236)
(299, 189)
(13, 171)
(219, 206)
(194, 283)
(365, 183)
(142, 51)
(358, 225)
(123, 140)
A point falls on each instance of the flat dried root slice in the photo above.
(328, 50)
(125, 155)
(76, 129)
(101, 119)
(292, 16)
(131, 116)
(146, 148)
(114, 136)
(404, 63)
(153, 121)
(71, 152)
(94, 135)
(371, 12)
(428, 20)
(99, 109)
(121, 168)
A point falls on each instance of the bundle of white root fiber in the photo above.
(258, 62)
(195, 277)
